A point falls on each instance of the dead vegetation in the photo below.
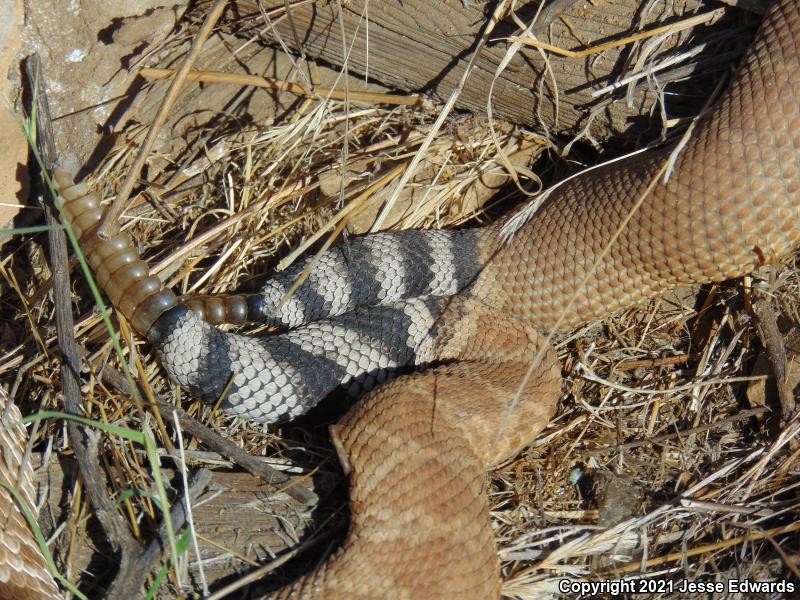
(665, 460)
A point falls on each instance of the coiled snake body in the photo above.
(416, 447)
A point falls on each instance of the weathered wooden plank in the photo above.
(240, 521)
(417, 45)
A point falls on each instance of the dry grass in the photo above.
(653, 467)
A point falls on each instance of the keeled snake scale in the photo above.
(416, 448)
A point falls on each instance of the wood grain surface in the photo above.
(240, 521)
(416, 45)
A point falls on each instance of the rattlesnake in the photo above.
(465, 307)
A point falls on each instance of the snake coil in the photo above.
(468, 306)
